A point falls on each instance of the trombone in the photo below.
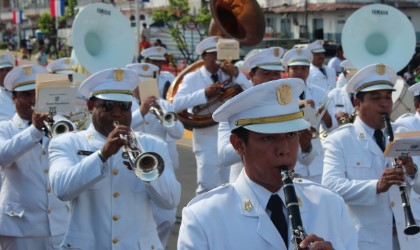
(147, 166)
(167, 119)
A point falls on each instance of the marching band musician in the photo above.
(111, 207)
(411, 122)
(156, 56)
(265, 66)
(7, 62)
(31, 215)
(197, 88)
(320, 75)
(355, 166)
(297, 62)
(265, 135)
(144, 121)
(341, 105)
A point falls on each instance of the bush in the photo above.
(3, 45)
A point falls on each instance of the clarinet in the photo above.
(411, 227)
(292, 205)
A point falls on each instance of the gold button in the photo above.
(116, 195)
(115, 171)
(43, 152)
(152, 247)
(392, 204)
(68, 245)
(48, 190)
(115, 217)
(147, 123)
(357, 163)
(49, 210)
(46, 171)
(115, 241)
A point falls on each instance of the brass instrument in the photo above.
(53, 128)
(167, 119)
(348, 119)
(314, 117)
(241, 20)
(147, 166)
(292, 205)
(410, 224)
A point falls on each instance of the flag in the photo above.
(57, 8)
(17, 16)
(146, 1)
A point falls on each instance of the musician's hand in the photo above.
(310, 102)
(316, 243)
(147, 104)
(389, 177)
(114, 142)
(305, 138)
(229, 69)
(408, 164)
(216, 89)
(38, 120)
(342, 117)
(327, 119)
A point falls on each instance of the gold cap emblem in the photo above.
(2, 57)
(380, 69)
(299, 51)
(248, 205)
(159, 49)
(145, 67)
(27, 70)
(118, 75)
(67, 61)
(284, 94)
(276, 52)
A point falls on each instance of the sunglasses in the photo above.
(108, 106)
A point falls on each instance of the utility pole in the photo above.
(17, 9)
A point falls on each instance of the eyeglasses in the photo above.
(108, 106)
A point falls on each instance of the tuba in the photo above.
(378, 33)
(102, 38)
(241, 20)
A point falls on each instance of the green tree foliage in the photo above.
(46, 24)
(178, 20)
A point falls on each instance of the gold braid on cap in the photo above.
(23, 84)
(112, 91)
(368, 84)
(270, 119)
(298, 60)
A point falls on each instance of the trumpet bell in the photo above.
(102, 38)
(61, 127)
(378, 33)
(148, 166)
(169, 119)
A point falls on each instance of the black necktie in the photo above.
(323, 71)
(215, 77)
(379, 138)
(275, 205)
(352, 98)
(302, 96)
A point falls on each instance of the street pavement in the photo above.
(186, 175)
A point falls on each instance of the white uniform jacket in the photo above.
(165, 77)
(191, 93)
(231, 217)
(111, 207)
(317, 78)
(149, 124)
(28, 208)
(352, 165)
(229, 157)
(7, 109)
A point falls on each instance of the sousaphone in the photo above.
(102, 38)
(242, 20)
(379, 33)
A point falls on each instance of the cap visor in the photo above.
(279, 127)
(2, 66)
(318, 51)
(299, 64)
(25, 87)
(378, 87)
(157, 58)
(211, 50)
(115, 97)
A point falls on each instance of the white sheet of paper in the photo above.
(54, 93)
(227, 49)
(404, 143)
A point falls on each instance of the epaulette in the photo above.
(210, 193)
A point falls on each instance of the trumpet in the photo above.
(167, 119)
(315, 117)
(54, 128)
(411, 227)
(147, 166)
